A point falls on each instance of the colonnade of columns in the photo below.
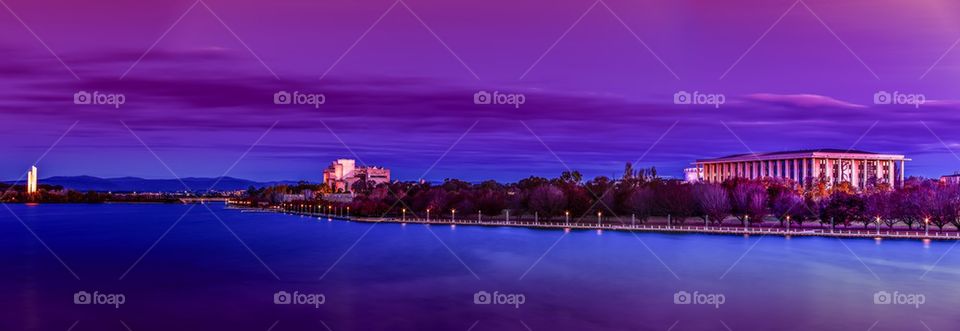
(857, 171)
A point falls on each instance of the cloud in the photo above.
(802, 101)
(187, 109)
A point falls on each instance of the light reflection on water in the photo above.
(393, 276)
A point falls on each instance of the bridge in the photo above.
(203, 200)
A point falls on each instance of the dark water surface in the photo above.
(204, 275)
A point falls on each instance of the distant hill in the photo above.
(136, 184)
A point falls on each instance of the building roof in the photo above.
(805, 153)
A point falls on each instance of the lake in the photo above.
(149, 267)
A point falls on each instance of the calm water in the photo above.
(199, 276)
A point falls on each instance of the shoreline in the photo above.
(675, 229)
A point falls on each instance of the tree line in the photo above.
(641, 195)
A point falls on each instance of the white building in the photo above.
(343, 173)
(693, 175)
(32, 180)
(832, 166)
(951, 179)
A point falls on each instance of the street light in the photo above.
(428, 215)
(878, 225)
(567, 216)
(404, 214)
(453, 215)
(926, 226)
(599, 215)
(788, 223)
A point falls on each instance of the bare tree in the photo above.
(547, 200)
(714, 201)
(640, 203)
(676, 200)
(879, 205)
(941, 203)
(788, 205)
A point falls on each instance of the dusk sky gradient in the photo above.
(599, 79)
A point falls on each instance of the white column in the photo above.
(830, 171)
(804, 169)
(839, 170)
(815, 163)
(854, 173)
(893, 174)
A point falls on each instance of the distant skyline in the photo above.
(795, 75)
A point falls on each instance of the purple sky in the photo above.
(400, 98)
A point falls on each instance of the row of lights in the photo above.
(453, 212)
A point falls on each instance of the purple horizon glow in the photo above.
(400, 98)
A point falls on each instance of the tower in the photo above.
(32, 180)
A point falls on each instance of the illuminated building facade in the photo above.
(860, 169)
(32, 180)
(343, 173)
(693, 175)
(951, 179)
